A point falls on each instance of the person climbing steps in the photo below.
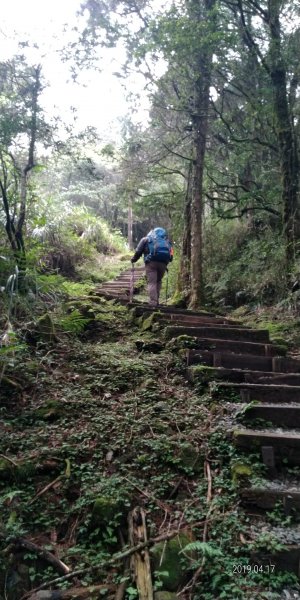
(158, 253)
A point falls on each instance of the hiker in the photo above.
(158, 252)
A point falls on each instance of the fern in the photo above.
(74, 322)
(203, 547)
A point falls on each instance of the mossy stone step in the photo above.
(286, 445)
(281, 379)
(230, 360)
(112, 295)
(194, 319)
(228, 333)
(139, 310)
(277, 414)
(200, 322)
(260, 392)
(287, 559)
(230, 346)
(269, 497)
(204, 374)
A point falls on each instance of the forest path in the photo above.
(241, 365)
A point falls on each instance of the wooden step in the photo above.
(286, 445)
(269, 497)
(230, 346)
(260, 392)
(229, 360)
(283, 415)
(228, 333)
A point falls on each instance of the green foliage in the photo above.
(74, 322)
(204, 548)
(244, 267)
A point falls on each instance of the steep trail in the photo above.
(190, 417)
(241, 363)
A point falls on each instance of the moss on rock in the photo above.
(105, 511)
(182, 342)
(174, 574)
(241, 473)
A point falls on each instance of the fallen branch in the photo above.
(209, 482)
(42, 553)
(45, 489)
(9, 460)
(111, 561)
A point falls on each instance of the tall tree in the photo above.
(20, 128)
(274, 61)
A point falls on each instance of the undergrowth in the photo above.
(95, 427)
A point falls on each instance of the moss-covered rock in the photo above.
(147, 323)
(241, 474)
(182, 341)
(175, 574)
(105, 511)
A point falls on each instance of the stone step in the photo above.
(260, 392)
(228, 333)
(114, 284)
(230, 360)
(111, 295)
(141, 309)
(283, 415)
(115, 291)
(204, 374)
(281, 379)
(230, 346)
(201, 322)
(180, 319)
(286, 445)
(269, 497)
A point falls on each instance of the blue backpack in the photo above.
(160, 248)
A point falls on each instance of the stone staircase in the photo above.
(119, 288)
(246, 366)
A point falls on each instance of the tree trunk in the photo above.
(286, 136)
(203, 68)
(130, 244)
(184, 275)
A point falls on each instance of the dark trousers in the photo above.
(154, 272)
